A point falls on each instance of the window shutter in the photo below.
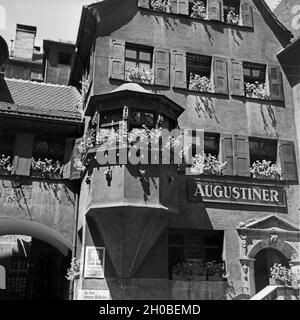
(69, 142)
(287, 158)
(246, 13)
(237, 78)
(183, 7)
(226, 150)
(75, 173)
(275, 81)
(220, 75)
(23, 154)
(162, 67)
(117, 59)
(214, 10)
(143, 4)
(179, 69)
(241, 156)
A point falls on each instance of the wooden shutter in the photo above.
(69, 142)
(23, 154)
(237, 78)
(226, 150)
(162, 67)
(75, 173)
(143, 4)
(117, 59)
(220, 75)
(246, 13)
(275, 81)
(214, 10)
(287, 157)
(179, 69)
(241, 156)
(183, 7)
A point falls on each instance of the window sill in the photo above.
(204, 93)
(264, 101)
(232, 25)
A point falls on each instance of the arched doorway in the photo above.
(264, 261)
(34, 269)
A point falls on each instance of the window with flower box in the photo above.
(199, 72)
(240, 11)
(262, 149)
(6, 152)
(139, 63)
(194, 249)
(255, 80)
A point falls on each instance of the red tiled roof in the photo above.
(40, 98)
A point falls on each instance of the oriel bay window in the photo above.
(229, 11)
(195, 254)
(139, 63)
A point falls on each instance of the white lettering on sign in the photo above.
(228, 192)
(296, 19)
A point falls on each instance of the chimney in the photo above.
(24, 43)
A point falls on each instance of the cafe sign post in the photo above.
(234, 192)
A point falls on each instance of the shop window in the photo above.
(49, 149)
(198, 68)
(190, 246)
(263, 149)
(64, 58)
(138, 63)
(231, 11)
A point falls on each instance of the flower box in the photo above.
(198, 10)
(199, 83)
(140, 75)
(232, 17)
(45, 175)
(160, 5)
(256, 90)
(265, 170)
(198, 278)
(215, 278)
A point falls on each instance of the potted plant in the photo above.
(283, 275)
(46, 168)
(198, 83)
(140, 75)
(265, 170)
(160, 5)
(207, 164)
(198, 10)
(5, 165)
(74, 271)
(232, 17)
(215, 271)
(256, 90)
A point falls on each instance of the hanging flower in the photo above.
(74, 271)
(232, 17)
(47, 167)
(6, 163)
(265, 169)
(283, 275)
(160, 5)
(198, 10)
(140, 75)
(198, 83)
(207, 164)
(256, 90)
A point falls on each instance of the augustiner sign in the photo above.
(232, 192)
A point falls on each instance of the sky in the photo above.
(54, 19)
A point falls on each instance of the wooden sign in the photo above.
(234, 192)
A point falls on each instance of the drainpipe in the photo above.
(74, 247)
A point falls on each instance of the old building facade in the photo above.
(212, 69)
